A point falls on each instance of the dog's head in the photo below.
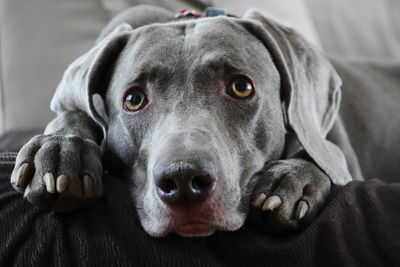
(194, 109)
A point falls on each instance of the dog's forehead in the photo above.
(196, 41)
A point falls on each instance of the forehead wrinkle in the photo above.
(156, 70)
(221, 63)
(157, 73)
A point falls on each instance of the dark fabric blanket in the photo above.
(358, 227)
(14, 140)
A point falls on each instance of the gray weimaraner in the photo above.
(203, 117)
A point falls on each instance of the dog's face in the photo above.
(194, 109)
(194, 112)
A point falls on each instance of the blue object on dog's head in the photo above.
(213, 12)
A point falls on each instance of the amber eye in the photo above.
(135, 100)
(241, 88)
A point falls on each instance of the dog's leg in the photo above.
(291, 192)
(61, 169)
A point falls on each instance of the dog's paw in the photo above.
(291, 192)
(58, 172)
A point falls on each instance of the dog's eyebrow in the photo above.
(153, 71)
(222, 62)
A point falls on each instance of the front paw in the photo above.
(58, 172)
(291, 193)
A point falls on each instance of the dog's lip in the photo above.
(195, 225)
(195, 229)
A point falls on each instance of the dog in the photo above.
(206, 118)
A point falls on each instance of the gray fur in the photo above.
(263, 145)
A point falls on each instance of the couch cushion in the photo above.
(367, 29)
(38, 40)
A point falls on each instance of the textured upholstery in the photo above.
(358, 29)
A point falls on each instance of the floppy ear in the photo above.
(89, 75)
(310, 92)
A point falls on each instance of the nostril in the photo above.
(202, 183)
(167, 186)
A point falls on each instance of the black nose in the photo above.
(183, 184)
